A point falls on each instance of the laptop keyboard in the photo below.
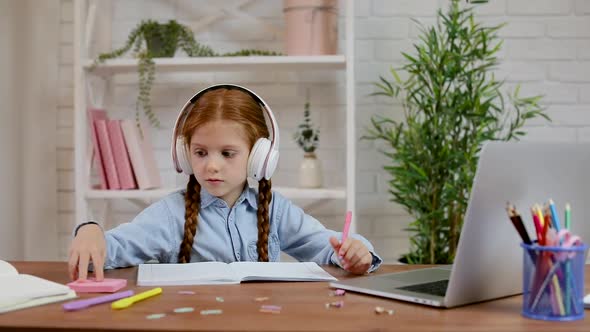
(438, 288)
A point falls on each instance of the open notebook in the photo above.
(216, 273)
(18, 291)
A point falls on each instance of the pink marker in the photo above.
(346, 226)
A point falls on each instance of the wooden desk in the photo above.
(303, 309)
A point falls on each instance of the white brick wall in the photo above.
(546, 50)
(539, 7)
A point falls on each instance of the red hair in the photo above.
(232, 105)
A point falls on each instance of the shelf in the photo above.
(240, 63)
(92, 27)
(129, 194)
(289, 192)
(320, 193)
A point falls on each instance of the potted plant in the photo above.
(307, 137)
(452, 104)
(151, 39)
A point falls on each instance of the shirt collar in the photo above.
(248, 194)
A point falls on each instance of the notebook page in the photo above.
(16, 288)
(17, 305)
(7, 268)
(204, 273)
(281, 271)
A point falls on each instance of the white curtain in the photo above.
(29, 45)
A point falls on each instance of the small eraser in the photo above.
(587, 301)
(92, 286)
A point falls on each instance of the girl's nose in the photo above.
(212, 165)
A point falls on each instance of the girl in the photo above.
(220, 140)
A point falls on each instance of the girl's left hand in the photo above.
(354, 255)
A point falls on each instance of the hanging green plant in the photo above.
(151, 39)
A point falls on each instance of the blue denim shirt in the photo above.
(223, 233)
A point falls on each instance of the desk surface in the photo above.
(303, 309)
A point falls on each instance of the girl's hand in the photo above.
(88, 245)
(354, 255)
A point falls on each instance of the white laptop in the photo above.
(488, 263)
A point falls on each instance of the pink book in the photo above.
(104, 143)
(141, 153)
(93, 115)
(122, 162)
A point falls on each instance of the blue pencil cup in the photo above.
(553, 282)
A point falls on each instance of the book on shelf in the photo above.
(216, 273)
(120, 155)
(141, 154)
(106, 153)
(19, 291)
(93, 115)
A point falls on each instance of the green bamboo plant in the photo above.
(151, 39)
(452, 104)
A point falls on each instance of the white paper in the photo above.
(278, 271)
(7, 269)
(23, 290)
(36, 302)
(186, 274)
(210, 273)
(24, 286)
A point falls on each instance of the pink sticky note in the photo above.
(92, 286)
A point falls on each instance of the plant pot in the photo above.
(403, 260)
(311, 27)
(155, 47)
(310, 171)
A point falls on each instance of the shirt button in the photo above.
(238, 255)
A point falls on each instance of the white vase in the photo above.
(310, 171)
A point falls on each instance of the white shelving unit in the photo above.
(84, 22)
(248, 63)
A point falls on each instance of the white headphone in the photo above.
(264, 155)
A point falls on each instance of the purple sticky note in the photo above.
(92, 286)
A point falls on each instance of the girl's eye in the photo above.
(200, 153)
(228, 154)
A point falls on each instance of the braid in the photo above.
(192, 202)
(264, 197)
